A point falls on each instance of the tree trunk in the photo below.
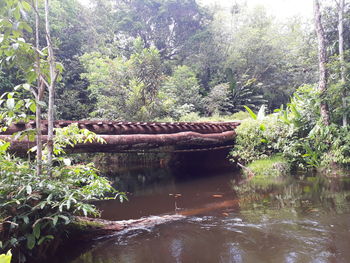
(39, 144)
(322, 57)
(341, 7)
(51, 88)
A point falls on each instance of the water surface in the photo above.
(291, 219)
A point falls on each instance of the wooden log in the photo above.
(116, 143)
(114, 128)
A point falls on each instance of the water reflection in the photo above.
(290, 219)
(303, 195)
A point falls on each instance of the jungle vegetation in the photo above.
(168, 60)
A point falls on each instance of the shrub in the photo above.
(35, 209)
(259, 139)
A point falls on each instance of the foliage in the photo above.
(241, 115)
(217, 101)
(183, 90)
(6, 258)
(338, 91)
(278, 56)
(327, 146)
(233, 96)
(192, 116)
(275, 165)
(36, 210)
(13, 108)
(169, 26)
(265, 57)
(125, 89)
(259, 139)
(294, 132)
(14, 49)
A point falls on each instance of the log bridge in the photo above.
(138, 136)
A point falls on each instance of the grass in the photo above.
(270, 167)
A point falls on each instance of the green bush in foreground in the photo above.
(35, 210)
(259, 139)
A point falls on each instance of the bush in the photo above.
(296, 134)
(259, 139)
(35, 209)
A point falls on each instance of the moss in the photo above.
(84, 225)
(269, 167)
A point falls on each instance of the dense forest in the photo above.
(147, 60)
(161, 60)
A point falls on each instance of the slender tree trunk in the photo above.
(51, 88)
(322, 58)
(39, 144)
(341, 5)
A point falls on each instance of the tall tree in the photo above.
(169, 25)
(322, 58)
(51, 85)
(341, 7)
(125, 89)
(38, 94)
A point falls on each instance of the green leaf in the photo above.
(25, 219)
(6, 258)
(32, 107)
(27, 27)
(36, 231)
(41, 103)
(41, 240)
(26, 86)
(19, 104)
(26, 6)
(264, 141)
(16, 13)
(30, 241)
(10, 103)
(54, 220)
(252, 114)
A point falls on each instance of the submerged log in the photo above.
(86, 228)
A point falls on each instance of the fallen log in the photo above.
(117, 143)
(118, 128)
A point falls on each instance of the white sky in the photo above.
(279, 8)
